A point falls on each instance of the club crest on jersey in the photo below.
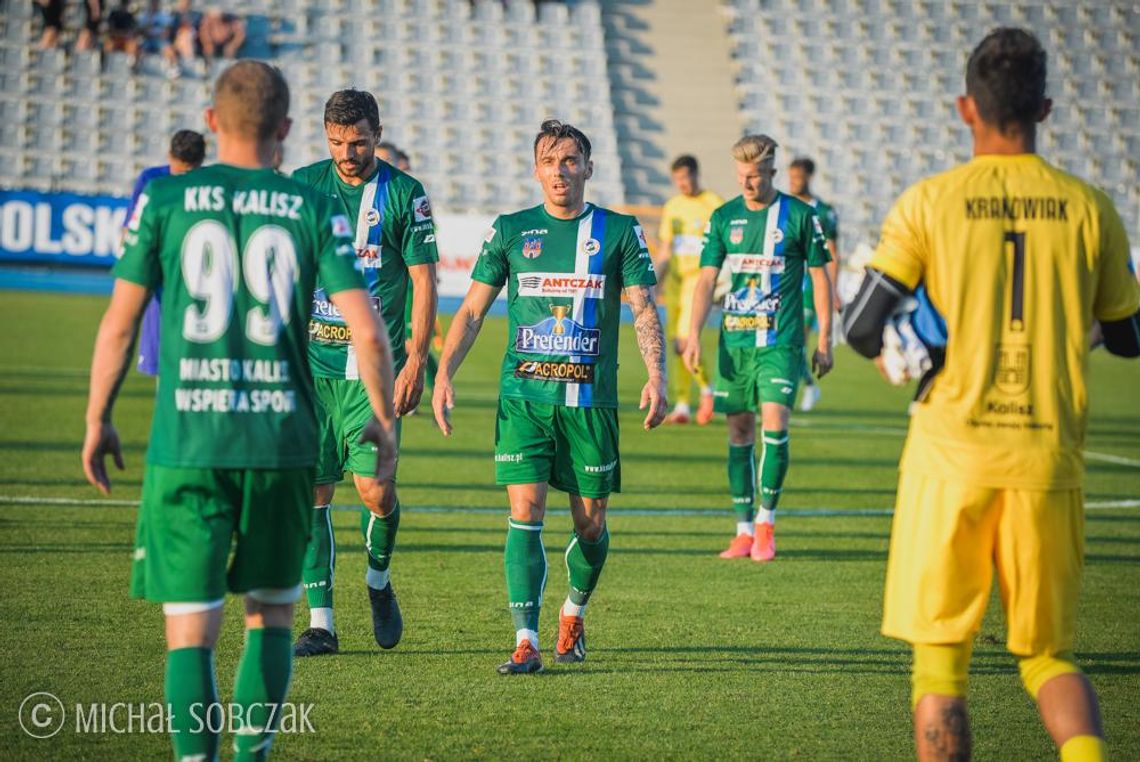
(340, 226)
(532, 248)
(591, 247)
(777, 235)
(421, 208)
(736, 236)
(372, 217)
(558, 335)
(1012, 373)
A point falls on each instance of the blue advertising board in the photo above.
(60, 228)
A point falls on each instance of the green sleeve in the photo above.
(336, 257)
(712, 248)
(814, 241)
(492, 266)
(830, 222)
(417, 245)
(636, 266)
(141, 240)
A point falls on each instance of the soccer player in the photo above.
(225, 503)
(683, 220)
(395, 247)
(800, 173)
(767, 240)
(187, 152)
(566, 264)
(1019, 258)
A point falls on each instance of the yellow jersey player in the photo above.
(683, 220)
(1020, 259)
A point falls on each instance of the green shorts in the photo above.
(343, 410)
(748, 377)
(574, 449)
(203, 531)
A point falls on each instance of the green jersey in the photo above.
(829, 221)
(766, 253)
(236, 253)
(393, 231)
(564, 283)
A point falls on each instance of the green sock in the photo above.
(742, 480)
(525, 563)
(773, 467)
(379, 540)
(584, 562)
(262, 684)
(192, 695)
(320, 560)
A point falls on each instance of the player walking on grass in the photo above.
(766, 239)
(1019, 258)
(800, 173)
(236, 249)
(683, 221)
(395, 247)
(566, 264)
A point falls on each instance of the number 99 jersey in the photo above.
(236, 252)
(1019, 258)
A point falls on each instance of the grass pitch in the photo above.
(689, 655)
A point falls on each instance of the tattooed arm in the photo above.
(651, 342)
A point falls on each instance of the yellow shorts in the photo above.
(678, 300)
(946, 540)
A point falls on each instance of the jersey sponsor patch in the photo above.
(561, 284)
(777, 235)
(329, 333)
(591, 247)
(736, 236)
(749, 323)
(640, 236)
(558, 335)
(136, 215)
(372, 217)
(340, 226)
(750, 300)
(755, 264)
(421, 208)
(561, 372)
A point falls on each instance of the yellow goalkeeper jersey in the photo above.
(1019, 258)
(683, 220)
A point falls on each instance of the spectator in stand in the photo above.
(123, 33)
(51, 11)
(187, 152)
(89, 34)
(156, 29)
(186, 37)
(220, 34)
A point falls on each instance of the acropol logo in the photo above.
(558, 335)
(562, 284)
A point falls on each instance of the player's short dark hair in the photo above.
(556, 130)
(251, 99)
(403, 156)
(385, 145)
(685, 161)
(347, 107)
(188, 147)
(1006, 78)
(804, 163)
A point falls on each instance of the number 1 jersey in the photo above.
(1019, 258)
(237, 253)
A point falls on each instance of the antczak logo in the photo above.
(562, 284)
(755, 264)
(558, 335)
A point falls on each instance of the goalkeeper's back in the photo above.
(1019, 258)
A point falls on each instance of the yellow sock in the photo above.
(1083, 749)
